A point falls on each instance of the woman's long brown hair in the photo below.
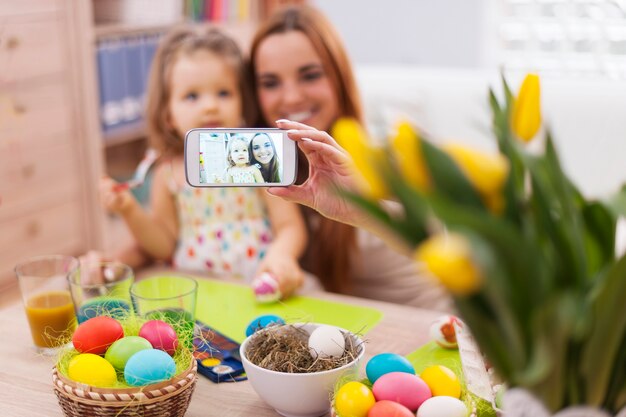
(331, 244)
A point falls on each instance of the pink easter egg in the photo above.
(160, 335)
(407, 389)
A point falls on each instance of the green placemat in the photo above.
(432, 354)
(229, 308)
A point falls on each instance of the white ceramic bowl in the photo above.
(298, 395)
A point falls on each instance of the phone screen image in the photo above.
(240, 157)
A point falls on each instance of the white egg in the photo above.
(443, 331)
(442, 406)
(326, 341)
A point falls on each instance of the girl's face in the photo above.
(204, 92)
(292, 82)
(239, 153)
(262, 149)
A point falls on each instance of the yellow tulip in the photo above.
(407, 151)
(486, 171)
(366, 159)
(526, 115)
(448, 257)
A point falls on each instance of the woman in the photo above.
(301, 72)
(263, 154)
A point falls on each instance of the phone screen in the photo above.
(240, 157)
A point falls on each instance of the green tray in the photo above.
(229, 308)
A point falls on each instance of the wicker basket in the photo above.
(165, 399)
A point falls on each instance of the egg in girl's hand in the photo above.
(442, 381)
(442, 407)
(160, 334)
(148, 367)
(386, 408)
(326, 342)
(443, 332)
(97, 334)
(354, 399)
(406, 389)
(266, 289)
(120, 351)
(383, 363)
(91, 369)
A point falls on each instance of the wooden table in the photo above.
(26, 383)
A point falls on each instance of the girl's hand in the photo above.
(286, 270)
(115, 199)
(329, 168)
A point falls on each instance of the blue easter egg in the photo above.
(148, 367)
(261, 322)
(383, 363)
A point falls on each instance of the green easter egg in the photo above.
(120, 351)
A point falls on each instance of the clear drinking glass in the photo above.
(101, 288)
(170, 298)
(47, 300)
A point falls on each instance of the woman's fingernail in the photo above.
(282, 121)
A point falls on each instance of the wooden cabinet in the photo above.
(47, 202)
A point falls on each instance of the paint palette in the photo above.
(217, 355)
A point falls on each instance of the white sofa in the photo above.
(587, 117)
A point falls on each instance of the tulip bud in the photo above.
(366, 159)
(448, 257)
(486, 172)
(407, 152)
(526, 115)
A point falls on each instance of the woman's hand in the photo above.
(329, 169)
(115, 198)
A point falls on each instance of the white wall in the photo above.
(420, 32)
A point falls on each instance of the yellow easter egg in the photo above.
(354, 399)
(92, 370)
(442, 381)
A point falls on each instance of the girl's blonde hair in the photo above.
(331, 244)
(185, 41)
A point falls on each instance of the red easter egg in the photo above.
(97, 334)
(160, 335)
(386, 408)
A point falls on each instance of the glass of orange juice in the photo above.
(43, 283)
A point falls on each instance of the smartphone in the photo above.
(240, 158)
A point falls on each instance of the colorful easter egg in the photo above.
(383, 363)
(91, 369)
(443, 332)
(160, 334)
(442, 381)
(97, 334)
(148, 367)
(326, 342)
(406, 389)
(386, 408)
(261, 322)
(354, 399)
(120, 351)
(442, 407)
(266, 289)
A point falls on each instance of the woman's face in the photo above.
(262, 149)
(292, 82)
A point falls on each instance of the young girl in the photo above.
(240, 171)
(198, 79)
